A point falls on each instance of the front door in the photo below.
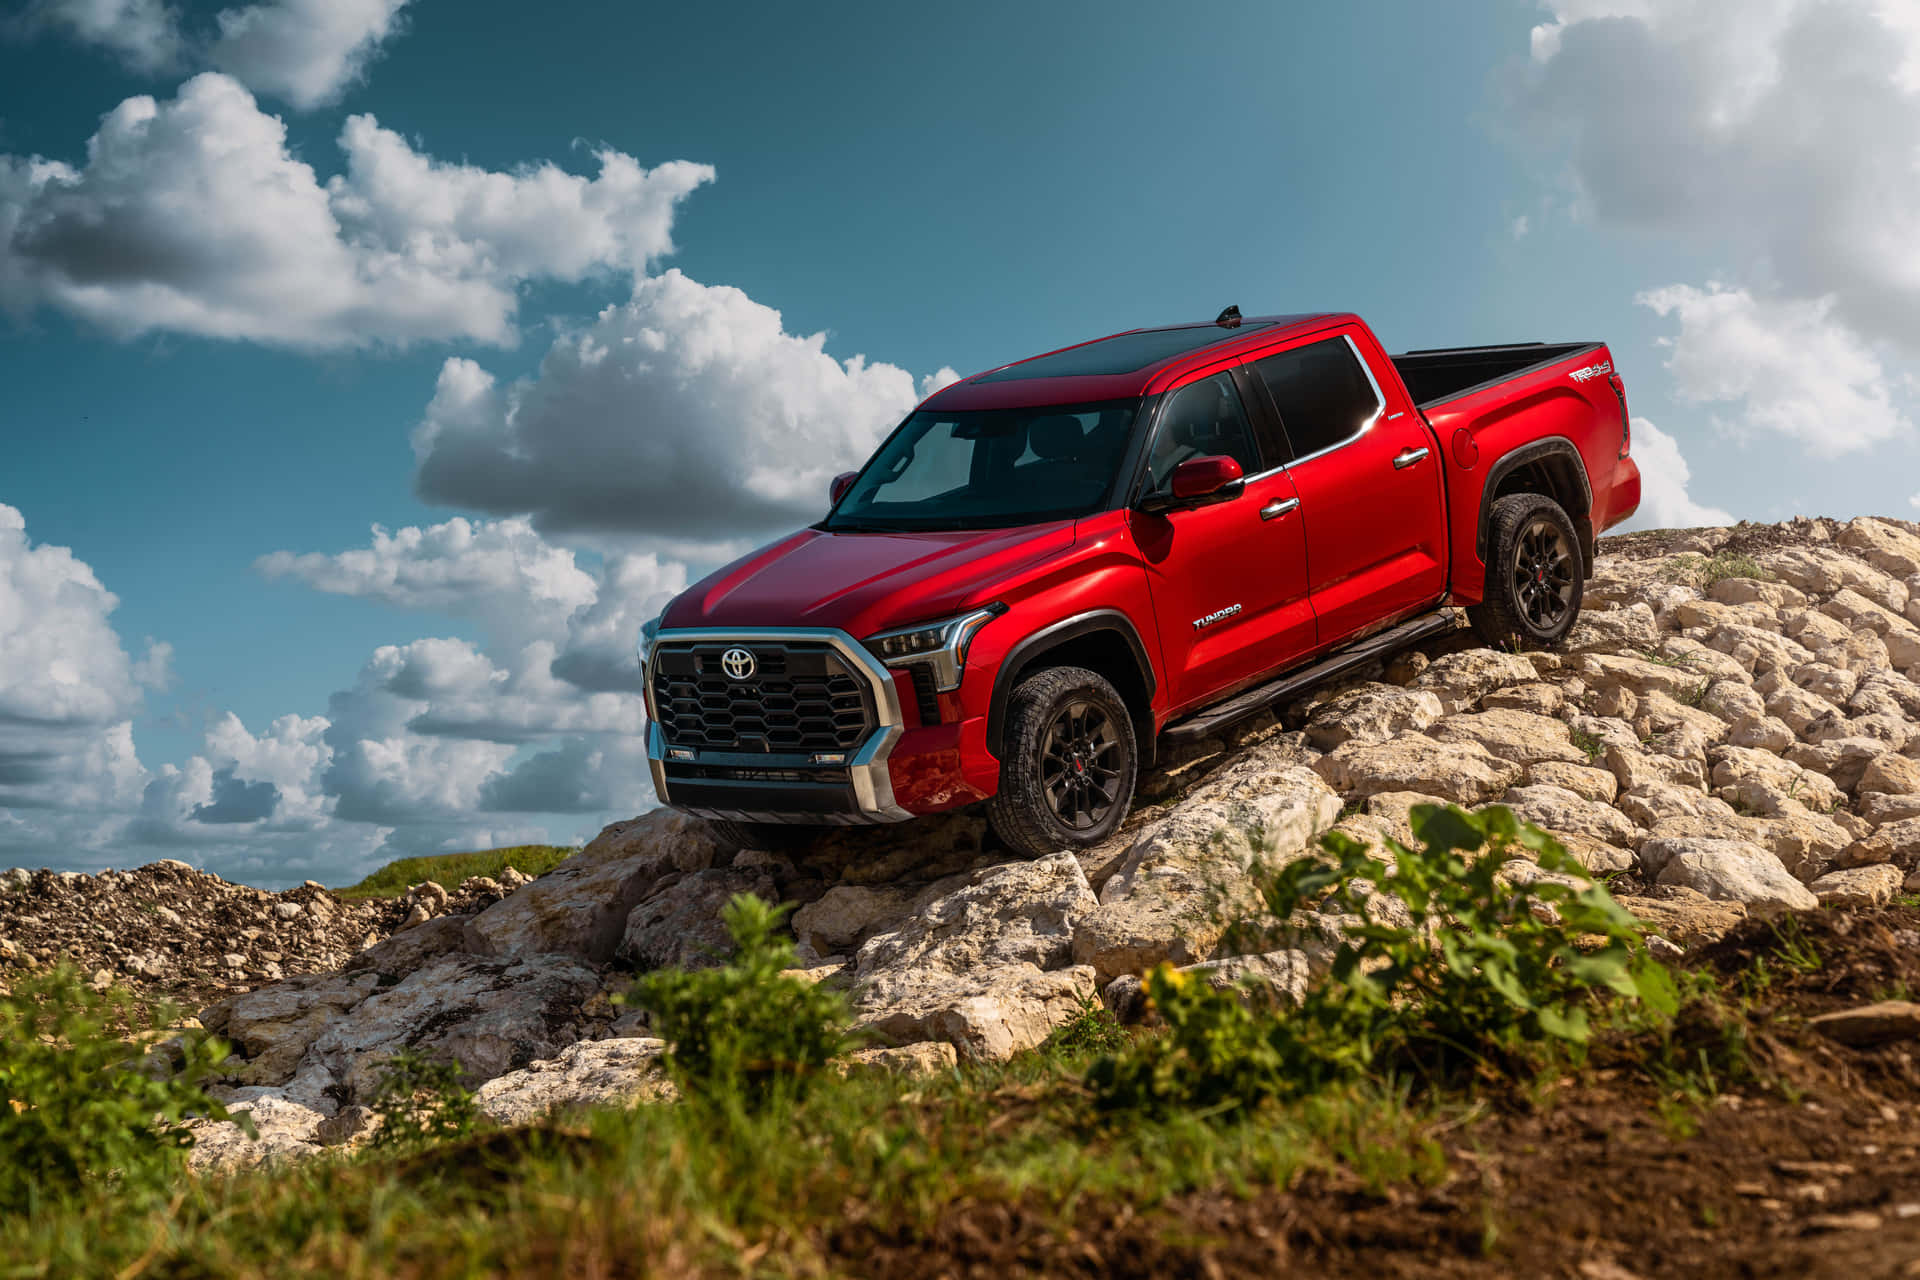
(1368, 477)
(1228, 579)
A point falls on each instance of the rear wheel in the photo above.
(1069, 763)
(1535, 574)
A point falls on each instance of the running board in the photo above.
(1223, 714)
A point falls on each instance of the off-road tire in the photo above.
(1024, 812)
(768, 837)
(1535, 605)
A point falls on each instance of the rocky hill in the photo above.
(1733, 729)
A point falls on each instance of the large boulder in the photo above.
(580, 908)
(273, 1027)
(1516, 736)
(1888, 549)
(680, 925)
(1461, 679)
(590, 1073)
(986, 1014)
(1728, 870)
(1462, 772)
(1166, 898)
(489, 1015)
(1370, 713)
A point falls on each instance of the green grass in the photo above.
(662, 1190)
(450, 869)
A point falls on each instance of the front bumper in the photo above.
(769, 786)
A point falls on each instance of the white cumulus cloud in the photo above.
(687, 412)
(1787, 365)
(1664, 478)
(193, 216)
(305, 52)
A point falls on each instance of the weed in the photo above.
(1704, 571)
(746, 1037)
(79, 1107)
(1665, 659)
(1482, 971)
(1796, 950)
(1695, 696)
(1591, 743)
(1090, 1030)
(421, 1100)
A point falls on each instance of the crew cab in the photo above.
(1050, 568)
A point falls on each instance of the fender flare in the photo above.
(1558, 448)
(1025, 652)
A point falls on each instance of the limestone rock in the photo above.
(581, 907)
(1461, 679)
(680, 925)
(1462, 772)
(1370, 713)
(1891, 773)
(1558, 809)
(1583, 780)
(1896, 842)
(285, 1132)
(986, 1014)
(1684, 915)
(1613, 629)
(273, 1027)
(1282, 974)
(1160, 903)
(1539, 698)
(1636, 769)
(1729, 870)
(589, 1073)
(1761, 733)
(1888, 549)
(1859, 886)
(1016, 913)
(1879, 808)
(1868, 1025)
(848, 914)
(927, 1058)
(1519, 737)
(489, 1015)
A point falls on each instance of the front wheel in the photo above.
(1535, 574)
(1069, 763)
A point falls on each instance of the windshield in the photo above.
(990, 468)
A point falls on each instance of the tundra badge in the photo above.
(1216, 616)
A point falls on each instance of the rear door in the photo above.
(1368, 477)
(1228, 579)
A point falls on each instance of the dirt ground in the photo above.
(1812, 1168)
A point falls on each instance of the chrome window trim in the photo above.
(1379, 398)
(871, 780)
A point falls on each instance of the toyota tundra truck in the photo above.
(1050, 570)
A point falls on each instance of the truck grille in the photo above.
(800, 698)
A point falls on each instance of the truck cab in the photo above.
(1050, 566)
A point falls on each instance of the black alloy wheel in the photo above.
(1079, 761)
(1536, 574)
(1543, 573)
(1068, 763)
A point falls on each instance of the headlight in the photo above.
(648, 630)
(939, 646)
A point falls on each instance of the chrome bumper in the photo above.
(856, 794)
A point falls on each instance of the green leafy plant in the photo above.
(1091, 1029)
(78, 1105)
(1474, 969)
(746, 1034)
(1592, 744)
(420, 1100)
(1704, 571)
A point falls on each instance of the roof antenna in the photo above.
(1228, 319)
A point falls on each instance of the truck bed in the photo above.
(1440, 374)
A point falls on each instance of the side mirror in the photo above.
(1199, 482)
(841, 483)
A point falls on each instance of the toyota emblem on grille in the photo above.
(738, 664)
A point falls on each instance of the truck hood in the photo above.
(865, 582)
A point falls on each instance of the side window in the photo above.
(1322, 393)
(1201, 418)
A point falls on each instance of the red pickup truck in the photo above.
(1052, 567)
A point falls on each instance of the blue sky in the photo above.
(483, 276)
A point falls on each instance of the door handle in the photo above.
(1278, 507)
(1404, 460)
